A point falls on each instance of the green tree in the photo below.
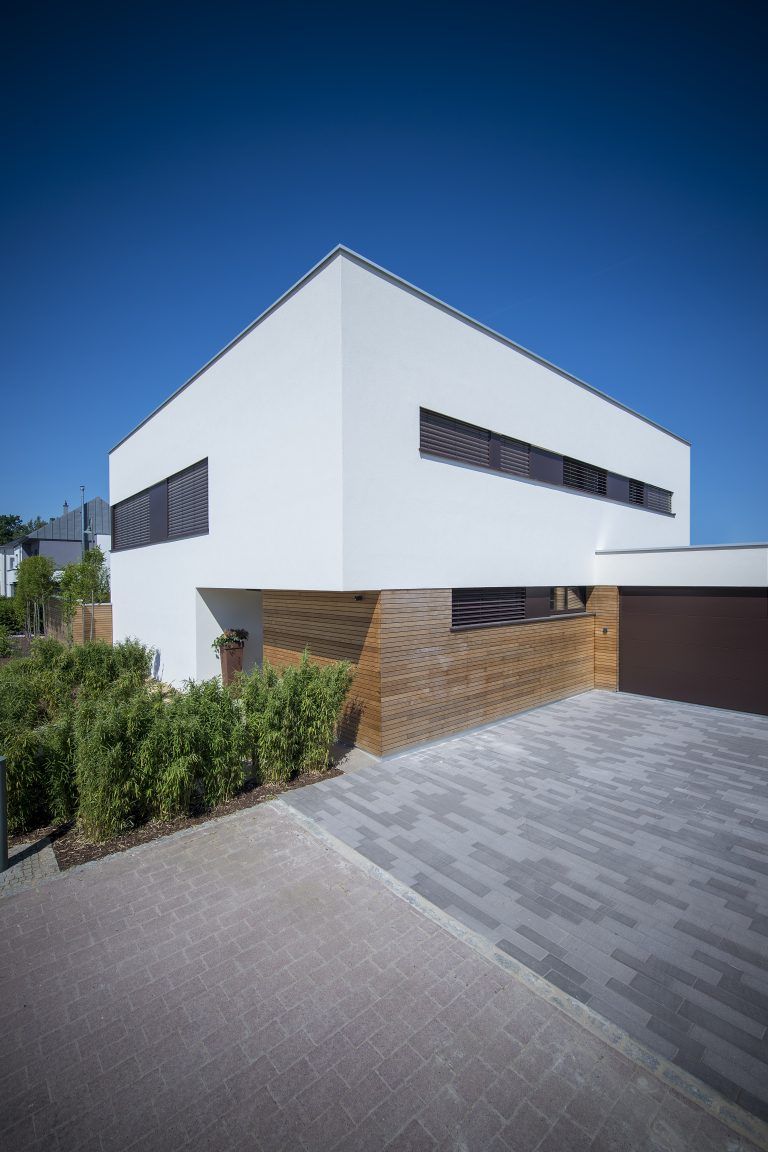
(86, 582)
(35, 586)
(12, 527)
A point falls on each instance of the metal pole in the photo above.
(82, 547)
(3, 819)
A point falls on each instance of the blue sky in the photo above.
(590, 179)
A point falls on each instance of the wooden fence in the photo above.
(81, 623)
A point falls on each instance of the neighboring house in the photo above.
(60, 538)
(369, 473)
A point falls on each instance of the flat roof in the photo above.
(398, 281)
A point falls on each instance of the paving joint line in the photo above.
(689, 1087)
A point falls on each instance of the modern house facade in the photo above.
(370, 474)
(61, 539)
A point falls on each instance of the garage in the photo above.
(699, 645)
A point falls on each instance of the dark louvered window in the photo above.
(586, 477)
(636, 492)
(170, 510)
(188, 501)
(130, 522)
(469, 444)
(455, 440)
(658, 499)
(515, 457)
(479, 607)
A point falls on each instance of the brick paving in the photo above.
(615, 845)
(27, 865)
(240, 985)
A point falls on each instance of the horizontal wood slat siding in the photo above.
(333, 626)
(435, 681)
(81, 623)
(603, 600)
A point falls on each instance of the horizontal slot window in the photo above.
(490, 607)
(463, 443)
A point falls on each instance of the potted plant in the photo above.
(229, 648)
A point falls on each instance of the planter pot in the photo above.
(231, 662)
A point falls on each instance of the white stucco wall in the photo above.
(267, 415)
(416, 522)
(699, 567)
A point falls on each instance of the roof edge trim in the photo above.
(398, 281)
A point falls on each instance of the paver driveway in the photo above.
(616, 845)
(242, 986)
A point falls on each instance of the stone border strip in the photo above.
(692, 1089)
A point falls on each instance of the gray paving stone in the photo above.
(629, 833)
(336, 1015)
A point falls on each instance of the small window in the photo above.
(481, 607)
(586, 477)
(568, 599)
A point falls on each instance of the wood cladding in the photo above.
(332, 626)
(417, 680)
(81, 623)
(435, 681)
(603, 600)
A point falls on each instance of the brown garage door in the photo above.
(701, 645)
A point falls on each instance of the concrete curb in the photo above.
(691, 1089)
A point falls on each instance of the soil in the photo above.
(71, 848)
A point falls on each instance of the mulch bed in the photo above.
(71, 848)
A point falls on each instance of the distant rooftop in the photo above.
(67, 527)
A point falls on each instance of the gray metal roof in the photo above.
(361, 261)
(67, 527)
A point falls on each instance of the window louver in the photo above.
(455, 440)
(188, 501)
(515, 457)
(586, 477)
(636, 492)
(483, 606)
(658, 499)
(130, 522)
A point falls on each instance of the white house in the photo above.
(369, 473)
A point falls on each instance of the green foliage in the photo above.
(291, 718)
(192, 757)
(40, 696)
(9, 614)
(88, 735)
(109, 729)
(6, 644)
(35, 586)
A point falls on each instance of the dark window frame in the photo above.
(534, 463)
